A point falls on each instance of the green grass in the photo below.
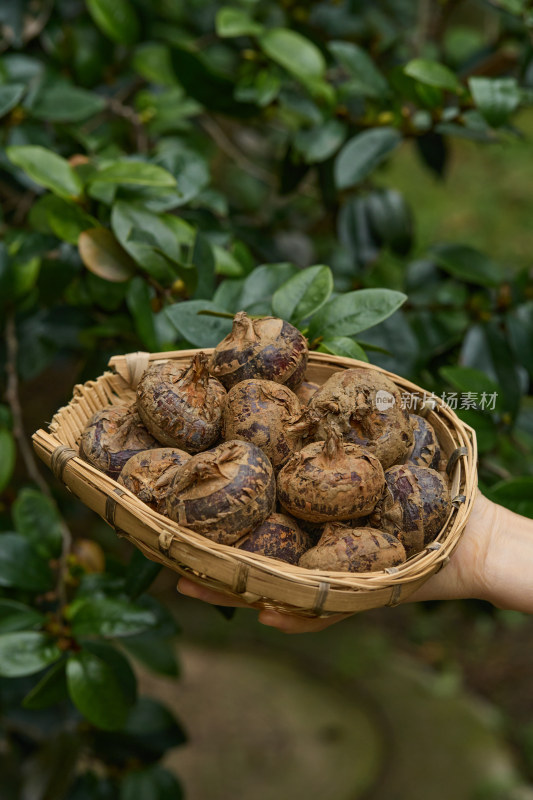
(485, 199)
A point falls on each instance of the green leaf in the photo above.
(152, 783)
(199, 329)
(8, 454)
(151, 722)
(156, 652)
(47, 169)
(390, 219)
(516, 494)
(343, 346)
(97, 688)
(64, 219)
(320, 143)
(365, 78)
(495, 98)
(104, 256)
(204, 261)
(303, 294)
(468, 264)
(261, 284)
(26, 652)
(50, 690)
(232, 22)
(294, 52)
(138, 173)
(36, 517)
(520, 327)
(432, 73)
(140, 574)
(116, 19)
(108, 616)
(15, 616)
(139, 301)
(10, 95)
(353, 312)
(468, 379)
(361, 155)
(61, 102)
(20, 566)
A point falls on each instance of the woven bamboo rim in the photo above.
(260, 581)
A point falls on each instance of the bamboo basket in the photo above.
(260, 581)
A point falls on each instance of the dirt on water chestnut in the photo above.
(182, 407)
(268, 348)
(223, 493)
(112, 436)
(330, 480)
(260, 412)
(365, 407)
(148, 474)
(347, 549)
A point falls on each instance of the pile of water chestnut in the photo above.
(240, 448)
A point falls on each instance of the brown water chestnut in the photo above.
(306, 391)
(365, 407)
(346, 549)
(182, 407)
(223, 493)
(278, 537)
(148, 474)
(425, 451)
(268, 348)
(259, 411)
(414, 506)
(112, 436)
(330, 480)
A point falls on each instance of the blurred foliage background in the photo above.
(362, 169)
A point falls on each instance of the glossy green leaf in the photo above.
(495, 98)
(343, 346)
(199, 329)
(62, 102)
(139, 302)
(15, 616)
(137, 173)
(64, 219)
(96, 687)
(469, 380)
(365, 78)
(36, 517)
(516, 494)
(151, 783)
(117, 19)
(520, 327)
(390, 219)
(108, 616)
(10, 95)
(155, 651)
(468, 264)
(320, 143)
(232, 22)
(203, 259)
(294, 52)
(260, 285)
(21, 566)
(50, 690)
(432, 73)
(8, 454)
(26, 652)
(361, 155)
(140, 574)
(303, 294)
(47, 169)
(353, 312)
(104, 256)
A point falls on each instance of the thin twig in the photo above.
(13, 400)
(127, 113)
(224, 143)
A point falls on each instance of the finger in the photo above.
(288, 623)
(192, 589)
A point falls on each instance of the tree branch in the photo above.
(12, 396)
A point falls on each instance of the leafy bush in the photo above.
(165, 164)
